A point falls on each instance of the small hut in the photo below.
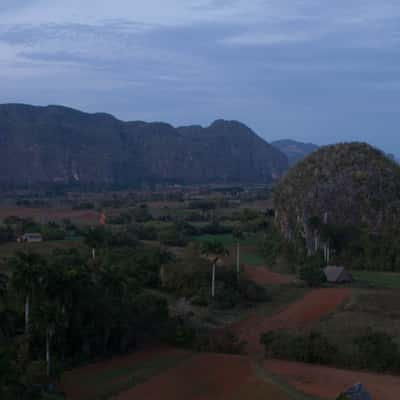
(356, 392)
(336, 274)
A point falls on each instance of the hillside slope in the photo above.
(295, 151)
(58, 145)
(350, 184)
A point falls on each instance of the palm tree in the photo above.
(95, 237)
(238, 235)
(214, 250)
(25, 278)
(3, 285)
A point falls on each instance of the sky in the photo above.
(312, 70)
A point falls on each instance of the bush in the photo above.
(226, 342)
(311, 348)
(178, 333)
(215, 228)
(172, 237)
(378, 351)
(311, 271)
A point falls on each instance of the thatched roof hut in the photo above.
(336, 274)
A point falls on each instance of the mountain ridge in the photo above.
(295, 150)
(61, 145)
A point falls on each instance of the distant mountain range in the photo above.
(55, 145)
(295, 151)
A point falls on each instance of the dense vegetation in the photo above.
(342, 202)
(118, 288)
(371, 350)
(68, 308)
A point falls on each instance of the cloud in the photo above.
(287, 67)
(267, 39)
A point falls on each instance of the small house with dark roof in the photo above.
(356, 392)
(31, 238)
(337, 274)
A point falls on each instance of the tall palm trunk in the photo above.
(27, 312)
(213, 279)
(49, 335)
(238, 260)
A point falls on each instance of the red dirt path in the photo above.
(50, 214)
(206, 377)
(312, 307)
(263, 276)
(74, 383)
(327, 382)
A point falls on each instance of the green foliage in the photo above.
(377, 351)
(281, 253)
(310, 348)
(172, 236)
(373, 350)
(311, 271)
(190, 277)
(52, 231)
(216, 228)
(78, 307)
(344, 196)
(226, 342)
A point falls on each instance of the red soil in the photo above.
(263, 276)
(50, 214)
(204, 377)
(310, 308)
(74, 383)
(327, 382)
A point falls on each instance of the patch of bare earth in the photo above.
(206, 377)
(312, 307)
(328, 382)
(263, 276)
(82, 383)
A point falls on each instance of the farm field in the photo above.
(312, 307)
(326, 383)
(264, 276)
(389, 280)
(104, 379)
(209, 377)
(227, 240)
(44, 215)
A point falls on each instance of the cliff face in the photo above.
(48, 145)
(342, 185)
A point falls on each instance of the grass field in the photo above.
(252, 258)
(390, 280)
(228, 240)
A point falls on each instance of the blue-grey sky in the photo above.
(312, 70)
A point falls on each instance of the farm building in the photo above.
(356, 392)
(31, 238)
(336, 274)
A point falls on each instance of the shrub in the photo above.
(311, 271)
(378, 351)
(226, 342)
(311, 348)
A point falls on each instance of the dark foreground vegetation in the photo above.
(372, 350)
(116, 290)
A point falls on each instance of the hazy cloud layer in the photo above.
(306, 69)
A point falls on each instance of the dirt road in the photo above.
(327, 382)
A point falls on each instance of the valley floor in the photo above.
(179, 375)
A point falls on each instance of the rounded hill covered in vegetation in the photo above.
(341, 196)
